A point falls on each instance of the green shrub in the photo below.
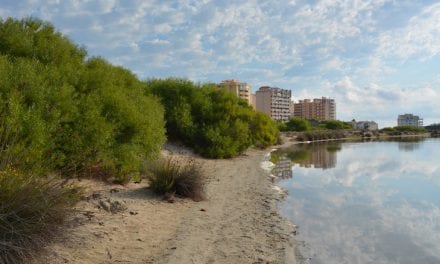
(31, 211)
(334, 125)
(62, 112)
(183, 178)
(320, 135)
(216, 123)
(298, 124)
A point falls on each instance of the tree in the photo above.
(298, 124)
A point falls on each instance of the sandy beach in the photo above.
(237, 223)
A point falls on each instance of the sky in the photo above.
(376, 58)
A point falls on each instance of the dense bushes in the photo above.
(300, 125)
(30, 210)
(433, 127)
(215, 123)
(64, 113)
(334, 124)
(297, 124)
(321, 135)
(402, 130)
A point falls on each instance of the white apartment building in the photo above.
(242, 90)
(365, 125)
(273, 101)
(409, 120)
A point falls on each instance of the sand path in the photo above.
(238, 223)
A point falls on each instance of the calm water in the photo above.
(371, 202)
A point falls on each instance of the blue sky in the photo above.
(377, 58)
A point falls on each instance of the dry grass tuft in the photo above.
(182, 178)
(31, 212)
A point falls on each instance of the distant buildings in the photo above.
(242, 90)
(322, 109)
(273, 101)
(283, 168)
(364, 125)
(409, 120)
(276, 102)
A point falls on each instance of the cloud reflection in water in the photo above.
(379, 204)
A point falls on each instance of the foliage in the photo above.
(410, 129)
(321, 135)
(388, 130)
(298, 124)
(296, 153)
(214, 122)
(334, 124)
(60, 112)
(399, 130)
(433, 127)
(168, 176)
(31, 208)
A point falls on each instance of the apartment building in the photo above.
(242, 90)
(409, 120)
(364, 125)
(274, 101)
(322, 109)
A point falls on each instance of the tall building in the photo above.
(274, 102)
(322, 109)
(364, 125)
(242, 90)
(253, 101)
(409, 120)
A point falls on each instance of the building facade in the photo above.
(273, 101)
(409, 120)
(242, 90)
(322, 109)
(364, 125)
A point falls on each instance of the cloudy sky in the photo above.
(377, 58)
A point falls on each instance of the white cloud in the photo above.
(321, 48)
(335, 64)
(419, 39)
(163, 28)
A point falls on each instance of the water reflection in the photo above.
(410, 144)
(283, 168)
(313, 155)
(379, 204)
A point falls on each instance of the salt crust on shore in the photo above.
(238, 223)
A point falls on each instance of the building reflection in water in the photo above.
(410, 144)
(322, 156)
(283, 168)
(319, 155)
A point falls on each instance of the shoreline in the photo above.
(291, 140)
(239, 222)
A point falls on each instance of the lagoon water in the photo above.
(365, 202)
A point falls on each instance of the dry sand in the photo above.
(238, 223)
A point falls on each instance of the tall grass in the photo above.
(182, 178)
(31, 211)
